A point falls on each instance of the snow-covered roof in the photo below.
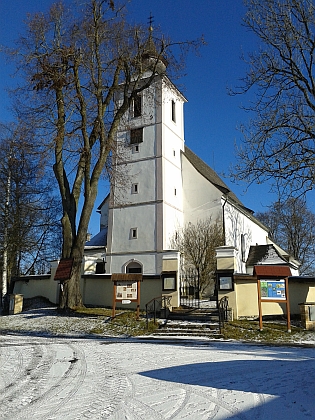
(98, 241)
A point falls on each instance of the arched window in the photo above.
(133, 267)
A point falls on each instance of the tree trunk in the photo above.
(70, 292)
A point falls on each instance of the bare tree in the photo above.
(279, 141)
(30, 215)
(196, 244)
(292, 226)
(76, 65)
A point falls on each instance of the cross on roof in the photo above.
(151, 20)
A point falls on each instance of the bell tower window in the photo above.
(136, 136)
(134, 189)
(137, 106)
(173, 111)
(133, 233)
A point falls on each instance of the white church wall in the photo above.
(172, 109)
(172, 191)
(139, 186)
(129, 152)
(173, 220)
(200, 198)
(134, 217)
(238, 225)
(118, 263)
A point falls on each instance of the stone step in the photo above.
(194, 317)
(191, 326)
(206, 317)
(183, 333)
(186, 328)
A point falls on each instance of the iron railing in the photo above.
(223, 311)
(156, 306)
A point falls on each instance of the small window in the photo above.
(225, 281)
(169, 281)
(134, 189)
(174, 154)
(175, 191)
(137, 106)
(173, 111)
(135, 148)
(136, 136)
(133, 233)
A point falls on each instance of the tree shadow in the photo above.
(288, 385)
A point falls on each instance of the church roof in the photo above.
(98, 241)
(267, 271)
(264, 254)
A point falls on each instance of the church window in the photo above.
(137, 106)
(134, 189)
(135, 148)
(173, 111)
(174, 191)
(169, 281)
(133, 233)
(136, 136)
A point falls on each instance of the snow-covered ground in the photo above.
(47, 376)
(65, 378)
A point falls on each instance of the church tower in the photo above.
(144, 213)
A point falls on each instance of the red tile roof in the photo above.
(64, 268)
(272, 271)
(126, 277)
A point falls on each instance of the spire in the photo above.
(150, 22)
(150, 51)
(150, 48)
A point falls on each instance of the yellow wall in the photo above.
(300, 293)
(99, 292)
(244, 299)
(231, 295)
(95, 290)
(39, 286)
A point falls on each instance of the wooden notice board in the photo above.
(126, 290)
(273, 286)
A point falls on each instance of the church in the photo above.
(159, 187)
(166, 186)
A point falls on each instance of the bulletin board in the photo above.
(126, 290)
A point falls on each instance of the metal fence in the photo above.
(189, 289)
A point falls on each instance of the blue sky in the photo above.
(212, 117)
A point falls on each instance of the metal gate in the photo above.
(189, 289)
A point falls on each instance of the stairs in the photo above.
(189, 323)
